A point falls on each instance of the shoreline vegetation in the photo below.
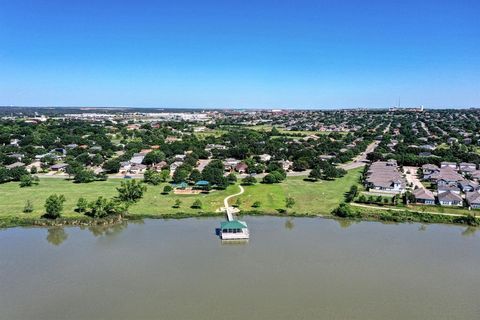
(259, 199)
(389, 216)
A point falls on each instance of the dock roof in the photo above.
(234, 224)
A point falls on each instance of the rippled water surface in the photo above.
(290, 269)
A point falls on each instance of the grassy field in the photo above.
(310, 197)
(319, 197)
(284, 131)
(209, 133)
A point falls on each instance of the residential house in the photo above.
(468, 186)
(385, 176)
(171, 139)
(241, 167)
(137, 158)
(230, 164)
(174, 166)
(14, 142)
(15, 165)
(428, 147)
(159, 166)
(265, 157)
(473, 199)
(286, 165)
(424, 196)
(59, 167)
(475, 174)
(137, 168)
(326, 157)
(452, 140)
(448, 187)
(17, 156)
(428, 170)
(124, 167)
(445, 164)
(212, 146)
(179, 157)
(449, 198)
(446, 176)
(467, 167)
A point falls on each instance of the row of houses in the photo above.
(453, 185)
(447, 198)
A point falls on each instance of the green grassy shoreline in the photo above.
(359, 215)
(312, 199)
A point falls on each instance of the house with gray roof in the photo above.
(468, 186)
(446, 176)
(467, 167)
(424, 196)
(449, 198)
(385, 176)
(15, 165)
(473, 199)
(445, 164)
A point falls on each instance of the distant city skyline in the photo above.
(240, 54)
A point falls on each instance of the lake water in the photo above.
(291, 269)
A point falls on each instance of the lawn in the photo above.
(210, 133)
(284, 131)
(310, 197)
(319, 197)
(13, 198)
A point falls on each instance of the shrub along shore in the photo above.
(357, 214)
(308, 199)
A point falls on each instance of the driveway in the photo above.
(412, 178)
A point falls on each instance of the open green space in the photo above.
(210, 133)
(319, 197)
(310, 197)
(267, 128)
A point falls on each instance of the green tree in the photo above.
(248, 181)
(54, 206)
(17, 172)
(177, 204)
(167, 189)
(82, 205)
(112, 165)
(343, 211)
(257, 204)
(180, 175)
(26, 181)
(154, 157)
(352, 193)
(197, 204)
(28, 207)
(195, 175)
(102, 208)
(232, 178)
(165, 174)
(131, 191)
(289, 202)
(84, 176)
(316, 174)
(152, 177)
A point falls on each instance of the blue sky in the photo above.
(295, 54)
